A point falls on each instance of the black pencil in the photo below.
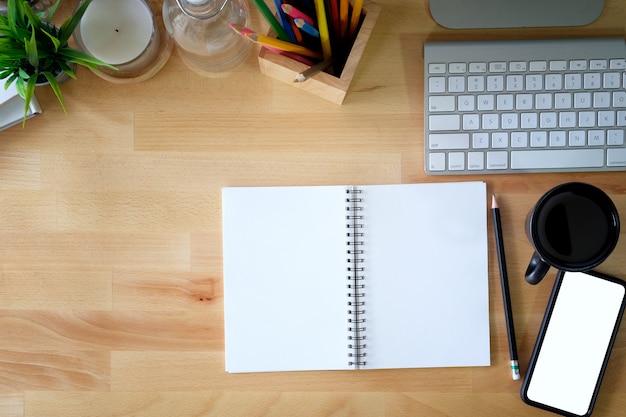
(504, 280)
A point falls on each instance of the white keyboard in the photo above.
(494, 107)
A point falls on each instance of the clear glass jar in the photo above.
(201, 32)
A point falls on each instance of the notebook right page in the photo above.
(427, 301)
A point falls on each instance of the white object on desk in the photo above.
(117, 31)
(12, 107)
(286, 280)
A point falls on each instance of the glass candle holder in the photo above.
(127, 34)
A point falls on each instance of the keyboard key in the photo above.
(497, 67)
(539, 66)
(619, 99)
(573, 81)
(437, 161)
(517, 66)
(578, 65)
(456, 84)
(558, 65)
(480, 140)
(577, 138)
(476, 84)
(448, 141)
(598, 64)
(557, 159)
(445, 122)
(519, 140)
(471, 122)
(456, 161)
(616, 157)
(595, 138)
(619, 63)
(437, 68)
(466, 103)
(477, 67)
(475, 161)
(611, 80)
(538, 139)
(534, 82)
(557, 139)
(441, 103)
(497, 160)
(437, 85)
(495, 83)
(458, 68)
(615, 137)
(606, 118)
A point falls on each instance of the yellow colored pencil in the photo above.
(356, 16)
(322, 26)
(282, 45)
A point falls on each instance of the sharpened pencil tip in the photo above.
(494, 203)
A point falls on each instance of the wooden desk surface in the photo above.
(110, 250)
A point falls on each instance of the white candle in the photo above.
(117, 31)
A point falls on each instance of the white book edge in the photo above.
(12, 107)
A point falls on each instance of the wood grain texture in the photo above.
(111, 287)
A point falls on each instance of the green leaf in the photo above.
(23, 74)
(29, 92)
(52, 10)
(67, 28)
(55, 87)
(81, 58)
(67, 69)
(12, 14)
(20, 87)
(55, 41)
(31, 49)
(32, 16)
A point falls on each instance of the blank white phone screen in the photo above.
(576, 341)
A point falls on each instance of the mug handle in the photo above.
(537, 269)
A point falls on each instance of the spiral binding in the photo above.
(356, 278)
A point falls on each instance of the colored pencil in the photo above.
(343, 18)
(305, 75)
(357, 7)
(506, 296)
(296, 14)
(284, 21)
(306, 27)
(296, 32)
(282, 45)
(269, 17)
(333, 11)
(322, 25)
(242, 30)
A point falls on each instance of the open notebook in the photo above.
(345, 277)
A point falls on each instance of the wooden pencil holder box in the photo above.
(322, 84)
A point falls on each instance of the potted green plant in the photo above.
(34, 51)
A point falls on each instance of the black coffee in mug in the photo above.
(573, 227)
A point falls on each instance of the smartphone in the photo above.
(574, 343)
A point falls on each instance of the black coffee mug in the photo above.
(573, 227)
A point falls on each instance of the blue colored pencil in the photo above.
(306, 27)
(284, 21)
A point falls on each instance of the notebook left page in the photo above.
(285, 296)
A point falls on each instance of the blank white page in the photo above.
(285, 278)
(427, 295)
